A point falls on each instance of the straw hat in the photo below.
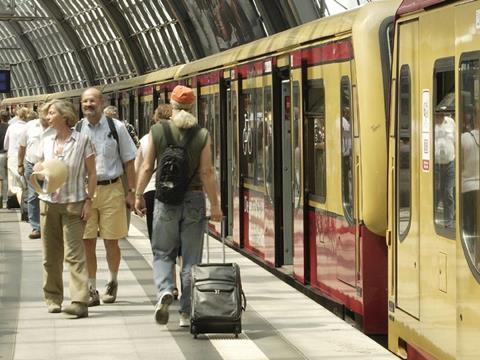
(55, 173)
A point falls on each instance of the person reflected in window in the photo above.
(445, 167)
(470, 148)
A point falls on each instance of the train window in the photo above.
(259, 138)
(315, 117)
(216, 137)
(444, 147)
(346, 126)
(404, 152)
(470, 159)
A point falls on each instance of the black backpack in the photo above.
(172, 171)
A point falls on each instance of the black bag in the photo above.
(216, 297)
(172, 171)
(12, 202)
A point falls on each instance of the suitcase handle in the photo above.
(223, 230)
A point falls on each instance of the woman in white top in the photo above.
(63, 213)
(162, 112)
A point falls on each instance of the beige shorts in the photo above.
(108, 213)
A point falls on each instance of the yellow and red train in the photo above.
(325, 142)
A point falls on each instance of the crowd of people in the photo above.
(79, 179)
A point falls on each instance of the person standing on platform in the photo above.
(11, 144)
(184, 224)
(115, 155)
(28, 155)
(112, 111)
(4, 115)
(64, 211)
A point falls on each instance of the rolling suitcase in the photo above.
(217, 296)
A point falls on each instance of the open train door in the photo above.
(407, 175)
(467, 25)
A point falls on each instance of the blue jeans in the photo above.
(445, 182)
(175, 225)
(32, 200)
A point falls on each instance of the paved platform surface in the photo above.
(280, 322)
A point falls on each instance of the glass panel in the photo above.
(444, 144)
(268, 135)
(347, 151)
(248, 131)
(469, 160)
(315, 117)
(258, 141)
(217, 141)
(404, 152)
(296, 144)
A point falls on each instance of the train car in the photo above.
(434, 224)
(299, 131)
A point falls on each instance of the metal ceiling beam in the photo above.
(71, 38)
(273, 16)
(179, 12)
(27, 46)
(120, 26)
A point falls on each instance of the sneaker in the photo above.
(80, 310)
(184, 320)
(110, 294)
(54, 308)
(161, 309)
(34, 234)
(94, 298)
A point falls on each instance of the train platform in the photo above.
(279, 323)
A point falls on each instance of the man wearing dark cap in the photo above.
(183, 224)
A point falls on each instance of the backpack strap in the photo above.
(113, 131)
(79, 125)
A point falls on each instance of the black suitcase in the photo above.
(217, 297)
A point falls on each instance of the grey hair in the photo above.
(66, 110)
(179, 106)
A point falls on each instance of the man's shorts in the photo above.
(108, 213)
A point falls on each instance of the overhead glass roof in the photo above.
(58, 45)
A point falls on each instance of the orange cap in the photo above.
(183, 94)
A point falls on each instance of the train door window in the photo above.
(248, 131)
(268, 136)
(217, 147)
(444, 147)
(258, 140)
(315, 116)
(296, 143)
(346, 127)
(470, 159)
(404, 152)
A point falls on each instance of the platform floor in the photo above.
(280, 322)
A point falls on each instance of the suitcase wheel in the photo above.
(194, 331)
(236, 336)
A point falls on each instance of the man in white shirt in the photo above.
(445, 167)
(28, 155)
(11, 144)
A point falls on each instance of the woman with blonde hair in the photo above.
(64, 212)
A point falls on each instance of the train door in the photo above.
(408, 168)
(468, 235)
(208, 109)
(258, 216)
(230, 144)
(286, 247)
(234, 149)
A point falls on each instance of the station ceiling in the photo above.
(58, 45)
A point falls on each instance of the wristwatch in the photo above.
(138, 195)
(20, 165)
(132, 190)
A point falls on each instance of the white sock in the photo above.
(113, 276)
(93, 283)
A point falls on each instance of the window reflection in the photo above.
(470, 151)
(347, 155)
(404, 152)
(444, 144)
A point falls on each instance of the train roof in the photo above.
(325, 28)
(409, 6)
